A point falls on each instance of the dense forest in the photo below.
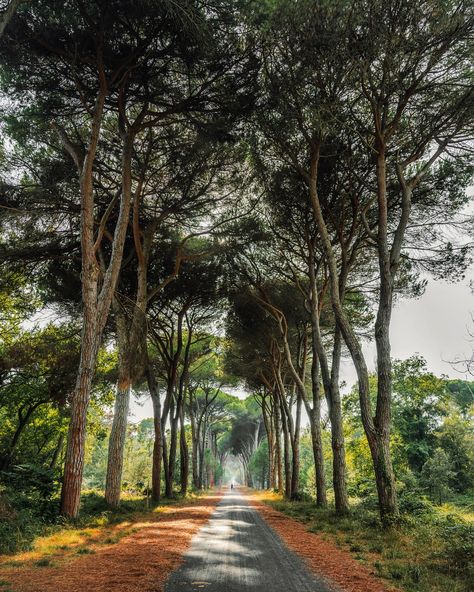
(210, 206)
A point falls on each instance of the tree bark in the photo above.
(341, 498)
(331, 389)
(295, 476)
(158, 438)
(184, 455)
(278, 457)
(96, 304)
(194, 452)
(267, 420)
(380, 441)
(286, 453)
(113, 485)
(113, 481)
(317, 443)
(74, 461)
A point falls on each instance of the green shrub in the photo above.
(31, 480)
(458, 549)
(27, 506)
(415, 505)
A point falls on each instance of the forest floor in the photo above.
(141, 552)
(135, 555)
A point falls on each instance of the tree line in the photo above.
(218, 194)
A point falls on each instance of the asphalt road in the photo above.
(237, 552)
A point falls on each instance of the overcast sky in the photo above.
(434, 326)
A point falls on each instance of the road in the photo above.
(238, 552)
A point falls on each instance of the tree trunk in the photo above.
(194, 453)
(267, 420)
(169, 456)
(7, 457)
(377, 435)
(96, 304)
(278, 455)
(202, 448)
(113, 483)
(384, 476)
(158, 437)
(379, 441)
(331, 389)
(184, 455)
(341, 498)
(286, 455)
(57, 451)
(295, 477)
(169, 474)
(74, 462)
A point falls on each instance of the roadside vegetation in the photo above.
(431, 549)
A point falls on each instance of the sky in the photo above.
(436, 326)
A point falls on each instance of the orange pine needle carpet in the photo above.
(140, 562)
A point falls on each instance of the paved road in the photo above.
(238, 552)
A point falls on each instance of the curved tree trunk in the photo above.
(57, 451)
(7, 458)
(378, 431)
(96, 303)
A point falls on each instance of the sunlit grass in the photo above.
(70, 541)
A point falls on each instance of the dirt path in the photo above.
(242, 545)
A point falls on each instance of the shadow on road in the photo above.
(238, 552)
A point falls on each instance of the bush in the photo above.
(32, 480)
(18, 531)
(27, 506)
(459, 547)
(415, 505)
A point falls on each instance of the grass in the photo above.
(429, 551)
